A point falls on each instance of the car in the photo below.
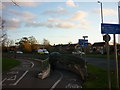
(54, 53)
(78, 52)
(11, 51)
(20, 52)
(43, 51)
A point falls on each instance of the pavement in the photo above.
(25, 76)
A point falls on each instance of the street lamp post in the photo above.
(101, 11)
(107, 46)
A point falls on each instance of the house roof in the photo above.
(99, 44)
(65, 45)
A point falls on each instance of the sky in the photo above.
(58, 22)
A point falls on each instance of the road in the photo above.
(25, 76)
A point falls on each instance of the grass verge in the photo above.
(98, 78)
(101, 56)
(8, 63)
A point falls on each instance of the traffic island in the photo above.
(44, 73)
(45, 68)
(69, 62)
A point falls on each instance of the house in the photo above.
(99, 47)
(65, 48)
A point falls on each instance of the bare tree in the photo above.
(3, 31)
(46, 42)
(15, 3)
(32, 40)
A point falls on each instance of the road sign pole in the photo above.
(85, 57)
(85, 62)
(106, 38)
(116, 60)
(108, 60)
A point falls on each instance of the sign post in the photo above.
(116, 60)
(107, 38)
(112, 29)
(83, 43)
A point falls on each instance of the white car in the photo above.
(43, 51)
(19, 52)
(78, 52)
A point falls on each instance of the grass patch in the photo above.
(95, 56)
(8, 63)
(99, 56)
(98, 78)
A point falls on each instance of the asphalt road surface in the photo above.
(25, 76)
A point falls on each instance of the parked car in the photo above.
(77, 52)
(43, 51)
(11, 51)
(20, 52)
(55, 53)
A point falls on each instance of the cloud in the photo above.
(67, 25)
(28, 19)
(84, 25)
(59, 11)
(51, 23)
(78, 20)
(2, 6)
(12, 23)
(71, 3)
(14, 19)
(33, 24)
(78, 15)
(27, 4)
(106, 11)
(26, 16)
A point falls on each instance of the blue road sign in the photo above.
(83, 42)
(110, 28)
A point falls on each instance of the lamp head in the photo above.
(99, 2)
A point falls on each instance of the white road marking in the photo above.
(12, 78)
(57, 81)
(32, 64)
(20, 78)
(3, 81)
(73, 86)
